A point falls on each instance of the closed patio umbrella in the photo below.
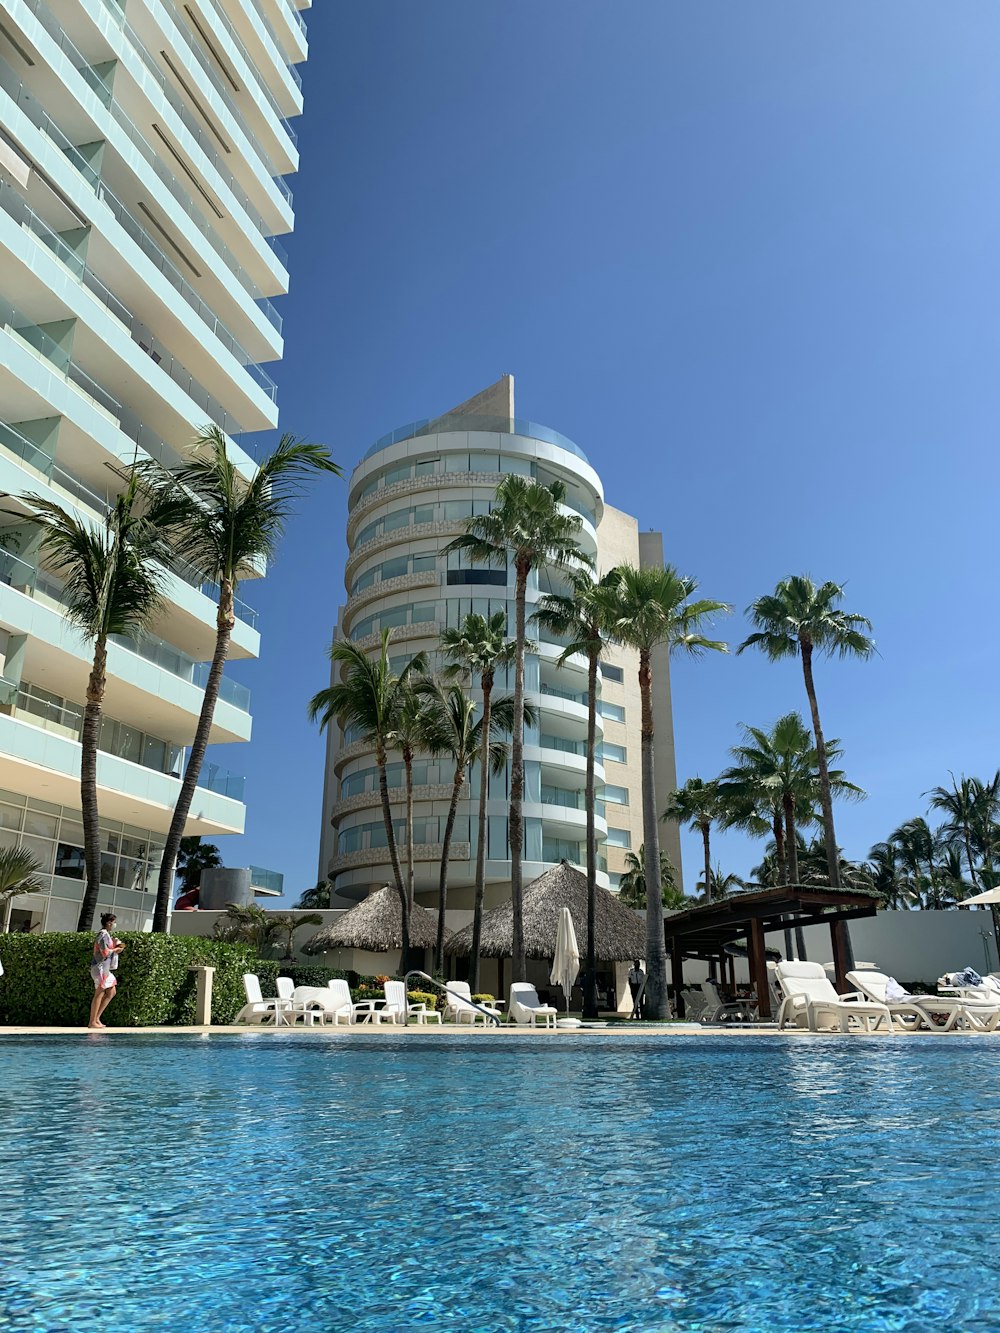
(566, 963)
(989, 897)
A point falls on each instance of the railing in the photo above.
(213, 76)
(491, 424)
(568, 695)
(24, 449)
(43, 345)
(12, 204)
(213, 777)
(446, 990)
(195, 130)
(40, 118)
(270, 880)
(562, 744)
(251, 64)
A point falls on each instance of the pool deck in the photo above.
(462, 1032)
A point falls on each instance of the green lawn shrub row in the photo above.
(47, 980)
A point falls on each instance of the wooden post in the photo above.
(758, 968)
(839, 942)
(677, 974)
(203, 996)
(500, 995)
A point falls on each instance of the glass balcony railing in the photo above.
(203, 61)
(494, 425)
(12, 203)
(562, 744)
(568, 800)
(213, 777)
(15, 443)
(568, 695)
(271, 881)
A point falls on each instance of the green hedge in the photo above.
(47, 980)
(302, 974)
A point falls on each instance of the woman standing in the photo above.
(102, 969)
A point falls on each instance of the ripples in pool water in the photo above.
(305, 1184)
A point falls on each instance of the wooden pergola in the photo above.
(703, 932)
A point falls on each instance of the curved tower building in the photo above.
(409, 496)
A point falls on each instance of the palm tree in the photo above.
(18, 876)
(697, 804)
(632, 885)
(232, 527)
(579, 618)
(286, 924)
(654, 607)
(986, 829)
(113, 581)
(917, 847)
(784, 762)
(194, 857)
(526, 528)
(247, 923)
(411, 733)
(884, 871)
(451, 721)
(316, 897)
(479, 647)
(796, 620)
(719, 886)
(960, 802)
(367, 701)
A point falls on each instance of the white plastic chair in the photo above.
(397, 1010)
(810, 1001)
(717, 1010)
(525, 1006)
(347, 1010)
(458, 1006)
(257, 1009)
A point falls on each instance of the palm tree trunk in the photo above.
(590, 981)
(8, 909)
(89, 738)
(383, 787)
(792, 854)
(449, 828)
(408, 771)
(707, 850)
(826, 800)
(224, 622)
(484, 796)
(778, 829)
(968, 852)
(519, 966)
(657, 1001)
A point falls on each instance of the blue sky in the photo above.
(747, 257)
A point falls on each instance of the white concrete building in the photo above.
(411, 493)
(143, 145)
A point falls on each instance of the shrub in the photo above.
(482, 998)
(302, 974)
(47, 979)
(422, 997)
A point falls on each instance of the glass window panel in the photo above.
(393, 569)
(484, 463)
(424, 562)
(10, 817)
(69, 861)
(72, 833)
(399, 519)
(456, 463)
(423, 514)
(44, 826)
(426, 466)
(616, 795)
(154, 753)
(613, 712)
(497, 849)
(612, 672)
(619, 837)
(616, 753)
(43, 850)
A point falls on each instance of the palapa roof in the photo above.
(376, 925)
(620, 932)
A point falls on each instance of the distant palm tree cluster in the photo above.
(204, 518)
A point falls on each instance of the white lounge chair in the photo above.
(458, 1006)
(284, 986)
(526, 1007)
(915, 1011)
(810, 1001)
(398, 1010)
(718, 1010)
(980, 1004)
(348, 1010)
(257, 1009)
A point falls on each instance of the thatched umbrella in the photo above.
(376, 926)
(620, 933)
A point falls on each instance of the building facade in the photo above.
(411, 493)
(143, 145)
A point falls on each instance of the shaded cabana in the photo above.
(375, 926)
(620, 933)
(704, 932)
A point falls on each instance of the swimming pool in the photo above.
(310, 1183)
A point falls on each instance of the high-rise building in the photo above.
(410, 494)
(143, 145)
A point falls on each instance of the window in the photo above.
(611, 712)
(495, 577)
(612, 672)
(619, 837)
(616, 795)
(615, 880)
(616, 753)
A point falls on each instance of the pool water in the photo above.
(560, 1183)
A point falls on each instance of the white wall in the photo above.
(914, 946)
